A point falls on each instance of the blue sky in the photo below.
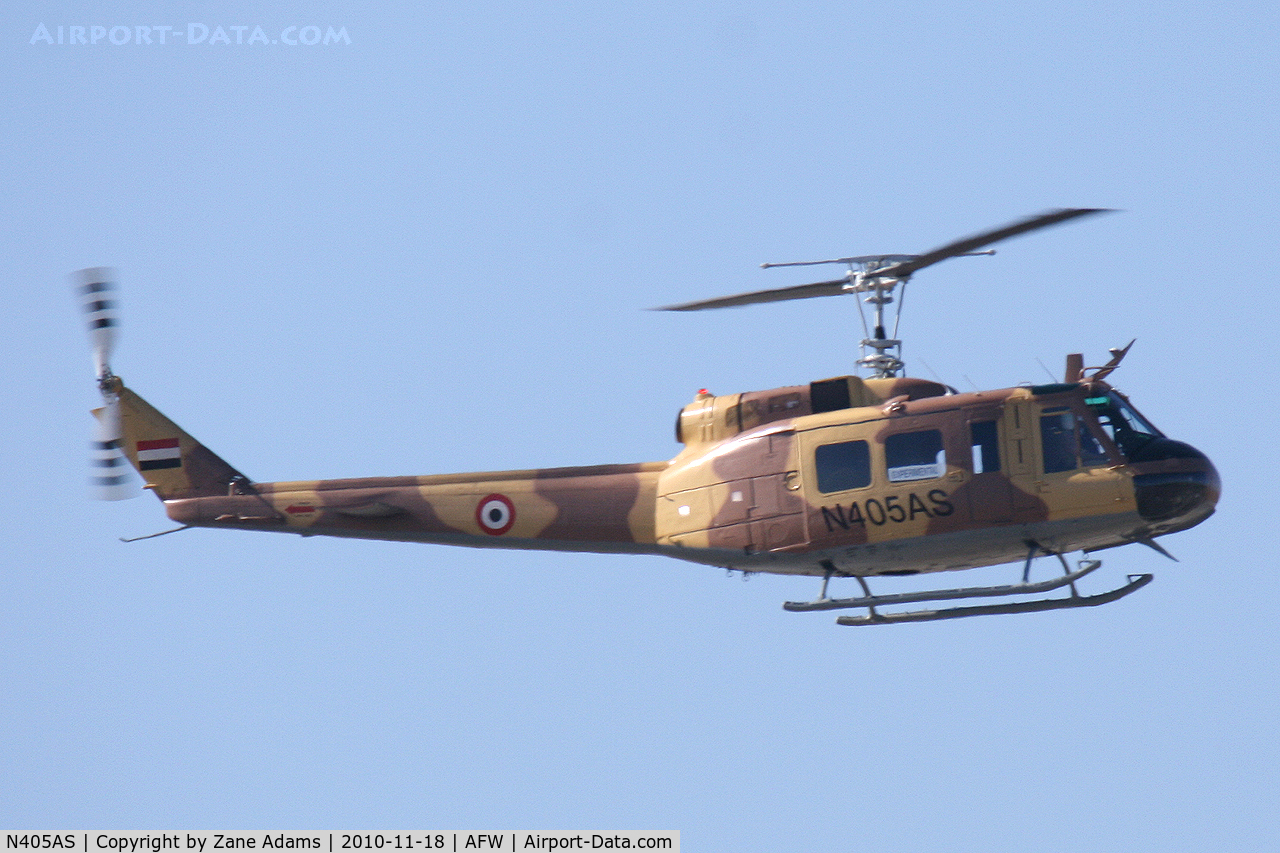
(430, 249)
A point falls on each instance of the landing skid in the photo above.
(1136, 582)
(871, 602)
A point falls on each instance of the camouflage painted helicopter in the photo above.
(844, 477)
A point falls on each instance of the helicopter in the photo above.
(846, 477)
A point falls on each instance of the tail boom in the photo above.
(608, 508)
(603, 508)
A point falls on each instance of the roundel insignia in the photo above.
(496, 514)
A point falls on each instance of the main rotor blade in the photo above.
(878, 260)
(986, 238)
(781, 294)
(903, 268)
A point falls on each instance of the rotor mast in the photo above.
(877, 277)
(874, 276)
(883, 364)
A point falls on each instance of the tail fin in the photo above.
(173, 464)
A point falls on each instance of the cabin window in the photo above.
(915, 456)
(986, 447)
(843, 466)
(1058, 440)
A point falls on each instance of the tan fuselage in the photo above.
(858, 477)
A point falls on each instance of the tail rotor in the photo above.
(112, 477)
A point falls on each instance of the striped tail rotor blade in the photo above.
(112, 477)
(97, 290)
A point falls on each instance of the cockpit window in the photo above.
(1125, 426)
(1058, 440)
(1067, 442)
(1091, 452)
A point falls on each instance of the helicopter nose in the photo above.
(1175, 485)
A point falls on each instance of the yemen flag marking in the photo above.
(159, 453)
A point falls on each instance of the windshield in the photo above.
(1122, 422)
